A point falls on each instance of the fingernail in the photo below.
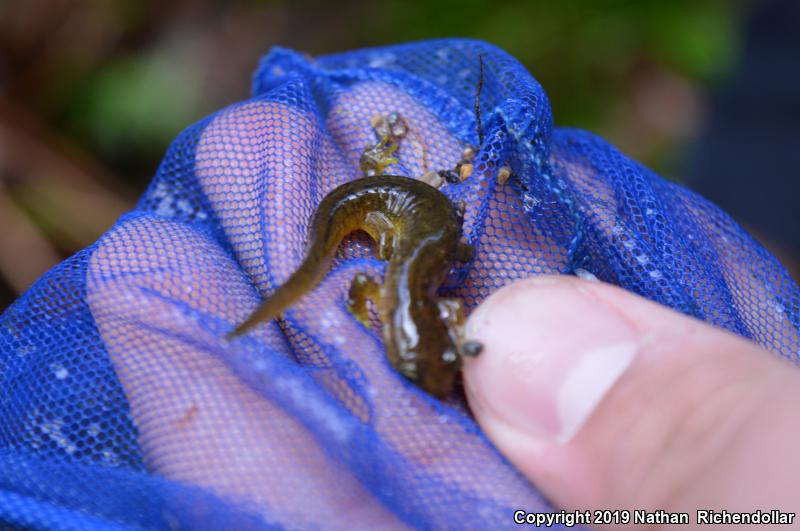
(552, 351)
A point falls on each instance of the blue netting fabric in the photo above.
(122, 405)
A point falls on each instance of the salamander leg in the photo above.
(375, 158)
(389, 130)
(452, 313)
(362, 288)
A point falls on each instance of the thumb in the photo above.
(605, 400)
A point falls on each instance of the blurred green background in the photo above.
(92, 92)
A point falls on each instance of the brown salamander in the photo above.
(418, 230)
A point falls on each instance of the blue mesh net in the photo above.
(122, 405)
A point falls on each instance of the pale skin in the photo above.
(699, 419)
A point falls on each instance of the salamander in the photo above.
(418, 230)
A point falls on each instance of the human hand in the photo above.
(608, 401)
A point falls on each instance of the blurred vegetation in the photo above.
(91, 92)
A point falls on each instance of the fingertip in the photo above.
(602, 398)
(537, 372)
